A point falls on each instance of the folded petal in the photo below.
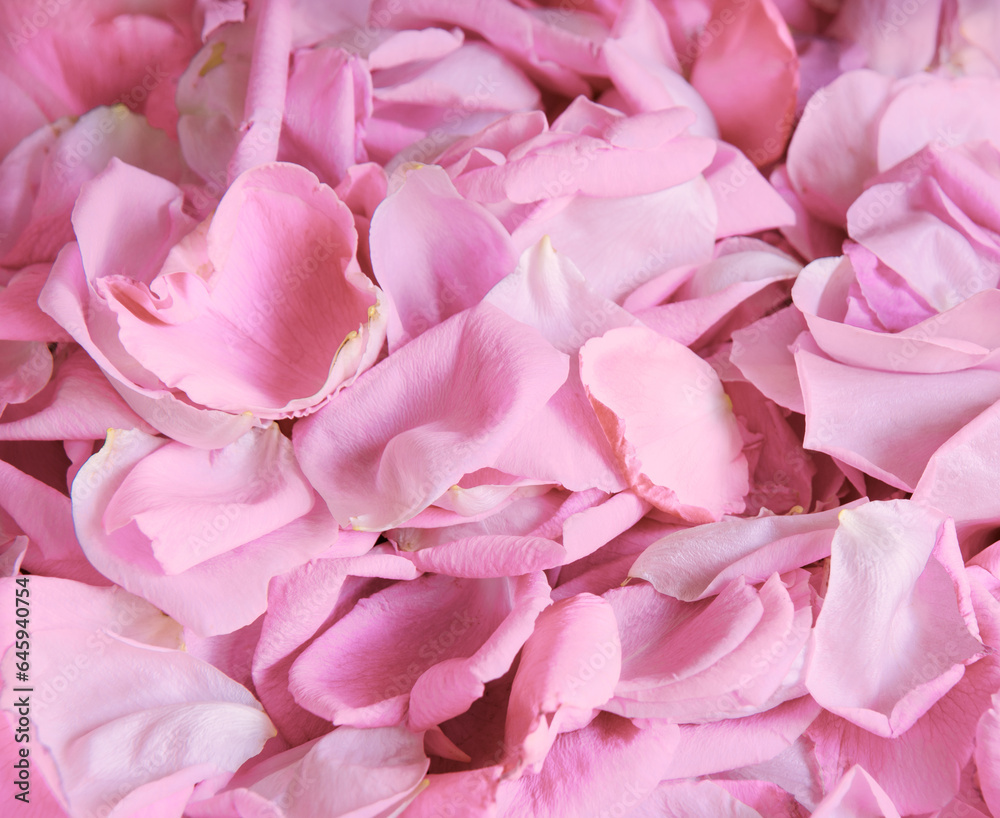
(463, 632)
(207, 561)
(669, 421)
(569, 667)
(349, 772)
(472, 383)
(699, 562)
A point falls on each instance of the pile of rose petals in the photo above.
(445, 408)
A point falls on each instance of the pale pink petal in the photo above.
(888, 424)
(937, 111)
(706, 749)
(569, 667)
(463, 631)
(921, 770)
(185, 723)
(699, 562)
(651, 394)
(884, 670)
(841, 120)
(361, 773)
(211, 591)
(44, 175)
(959, 478)
(746, 202)
(564, 443)
(77, 404)
(898, 41)
(762, 353)
(423, 236)
(610, 765)
(473, 382)
(749, 77)
(857, 793)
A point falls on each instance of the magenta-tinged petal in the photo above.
(490, 556)
(473, 382)
(448, 688)
(470, 793)
(670, 423)
(44, 515)
(857, 793)
(25, 369)
(699, 562)
(349, 772)
(423, 237)
(214, 590)
(300, 604)
(329, 97)
(21, 319)
(586, 531)
(698, 672)
(569, 667)
(464, 631)
(884, 669)
(694, 799)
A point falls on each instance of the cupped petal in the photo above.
(651, 394)
(229, 310)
